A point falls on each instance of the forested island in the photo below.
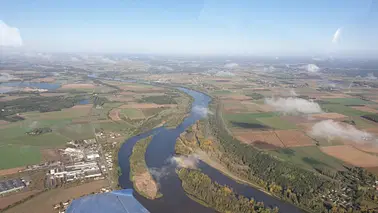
(143, 182)
(220, 197)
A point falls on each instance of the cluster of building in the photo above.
(13, 185)
(41, 166)
(109, 160)
(339, 198)
(267, 83)
(81, 160)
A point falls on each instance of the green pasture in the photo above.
(277, 123)
(309, 157)
(12, 156)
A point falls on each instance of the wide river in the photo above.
(158, 155)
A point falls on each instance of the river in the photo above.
(158, 156)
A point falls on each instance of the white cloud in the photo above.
(336, 36)
(294, 105)
(6, 77)
(160, 173)
(108, 60)
(202, 111)
(329, 129)
(293, 93)
(72, 58)
(190, 161)
(370, 76)
(312, 68)
(164, 68)
(231, 65)
(9, 36)
(224, 74)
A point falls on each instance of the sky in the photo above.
(269, 27)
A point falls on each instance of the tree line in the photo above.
(220, 197)
(36, 103)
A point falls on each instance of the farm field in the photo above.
(276, 123)
(43, 203)
(133, 114)
(264, 120)
(347, 101)
(330, 115)
(136, 102)
(309, 157)
(78, 86)
(8, 200)
(351, 155)
(341, 109)
(13, 156)
(366, 109)
(77, 131)
(274, 139)
(294, 138)
(5, 172)
(260, 139)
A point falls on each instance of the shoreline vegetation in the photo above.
(203, 190)
(142, 179)
(211, 141)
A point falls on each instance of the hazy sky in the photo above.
(193, 26)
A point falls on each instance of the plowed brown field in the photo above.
(351, 155)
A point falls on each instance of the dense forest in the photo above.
(220, 197)
(161, 99)
(322, 191)
(36, 103)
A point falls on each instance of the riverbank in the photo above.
(142, 180)
(193, 141)
(198, 140)
(161, 149)
(222, 198)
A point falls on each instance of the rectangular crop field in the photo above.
(294, 138)
(347, 101)
(276, 123)
(351, 155)
(309, 157)
(77, 131)
(46, 140)
(338, 108)
(248, 120)
(15, 156)
(260, 139)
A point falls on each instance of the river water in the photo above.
(158, 156)
(39, 85)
